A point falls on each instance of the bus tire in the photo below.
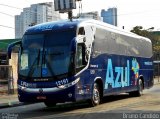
(96, 98)
(50, 104)
(140, 87)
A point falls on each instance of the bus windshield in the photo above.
(46, 55)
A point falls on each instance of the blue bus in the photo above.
(70, 61)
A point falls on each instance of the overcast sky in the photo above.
(130, 12)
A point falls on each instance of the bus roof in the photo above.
(115, 29)
(55, 25)
(67, 24)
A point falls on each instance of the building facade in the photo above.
(35, 14)
(109, 16)
(90, 15)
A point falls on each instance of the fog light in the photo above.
(70, 95)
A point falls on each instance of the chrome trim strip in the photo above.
(46, 90)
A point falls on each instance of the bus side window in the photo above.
(81, 31)
(80, 57)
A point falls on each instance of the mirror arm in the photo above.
(10, 46)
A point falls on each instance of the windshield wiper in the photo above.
(31, 68)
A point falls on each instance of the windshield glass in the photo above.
(46, 55)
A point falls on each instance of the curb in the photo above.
(156, 82)
(13, 104)
(10, 104)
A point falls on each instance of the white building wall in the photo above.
(26, 18)
(90, 15)
(14, 63)
(18, 26)
(41, 14)
(35, 14)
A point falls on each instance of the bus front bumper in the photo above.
(56, 95)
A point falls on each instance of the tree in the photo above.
(140, 31)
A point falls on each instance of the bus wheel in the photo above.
(140, 87)
(95, 100)
(139, 92)
(50, 104)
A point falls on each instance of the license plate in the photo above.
(41, 97)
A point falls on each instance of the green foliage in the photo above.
(142, 32)
(139, 31)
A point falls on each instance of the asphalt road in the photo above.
(114, 107)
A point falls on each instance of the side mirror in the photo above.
(84, 39)
(10, 47)
(87, 55)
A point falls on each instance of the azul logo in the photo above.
(135, 68)
(120, 76)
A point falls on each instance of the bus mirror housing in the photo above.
(84, 39)
(11, 46)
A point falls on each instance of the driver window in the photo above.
(80, 57)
